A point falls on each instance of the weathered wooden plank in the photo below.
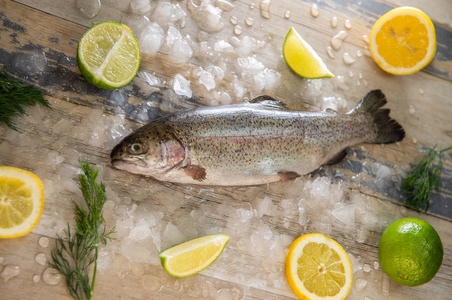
(252, 266)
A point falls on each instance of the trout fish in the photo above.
(252, 143)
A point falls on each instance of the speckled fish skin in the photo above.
(251, 143)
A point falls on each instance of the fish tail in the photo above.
(387, 130)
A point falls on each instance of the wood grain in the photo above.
(46, 34)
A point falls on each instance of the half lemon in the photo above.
(21, 201)
(318, 268)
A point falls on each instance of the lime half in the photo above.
(194, 255)
(108, 55)
(302, 58)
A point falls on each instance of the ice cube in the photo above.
(239, 89)
(223, 46)
(140, 7)
(151, 38)
(206, 15)
(207, 79)
(345, 214)
(180, 51)
(140, 232)
(247, 46)
(173, 234)
(150, 78)
(181, 86)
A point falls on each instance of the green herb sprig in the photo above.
(424, 177)
(15, 97)
(78, 249)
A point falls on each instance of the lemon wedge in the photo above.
(302, 58)
(21, 201)
(194, 255)
(318, 268)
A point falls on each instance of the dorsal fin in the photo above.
(269, 102)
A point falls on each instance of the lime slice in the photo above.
(302, 59)
(108, 55)
(194, 255)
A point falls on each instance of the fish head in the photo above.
(148, 152)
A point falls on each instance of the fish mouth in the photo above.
(129, 165)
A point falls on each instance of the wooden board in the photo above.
(45, 34)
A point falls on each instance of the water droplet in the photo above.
(315, 11)
(43, 242)
(359, 53)
(414, 140)
(249, 21)
(334, 22)
(360, 284)
(376, 265)
(421, 91)
(36, 278)
(252, 5)
(351, 74)
(41, 259)
(10, 272)
(348, 24)
(403, 211)
(238, 30)
(330, 52)
(51, 276)
(348, 59)
(336, 41)
(89, 8)
(287, 14)
(360, 75)
(234, 20)
(411, 110)
(366, 38)
(265, 9)
(367, 268)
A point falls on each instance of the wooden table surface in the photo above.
(38, 41)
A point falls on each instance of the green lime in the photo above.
(108, 55)
(410, 251)
(194, 255)
(302, 58)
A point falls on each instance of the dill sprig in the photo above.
(15, 97)
(78, 249)
(424, 177)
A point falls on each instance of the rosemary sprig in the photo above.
(15, 97)
(76, 251)
(424, 177)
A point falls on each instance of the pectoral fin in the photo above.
(196, 172)
(287, 175)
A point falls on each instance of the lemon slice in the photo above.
(194, 255)
(302, 59)
(403, 41)
(108, 55)
(318, 268)
(21, 201)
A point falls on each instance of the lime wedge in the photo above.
(108, 55)
(302, 59)
(194, 255)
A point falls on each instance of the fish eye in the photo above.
(136, 148)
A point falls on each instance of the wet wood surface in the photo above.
(38, 42)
